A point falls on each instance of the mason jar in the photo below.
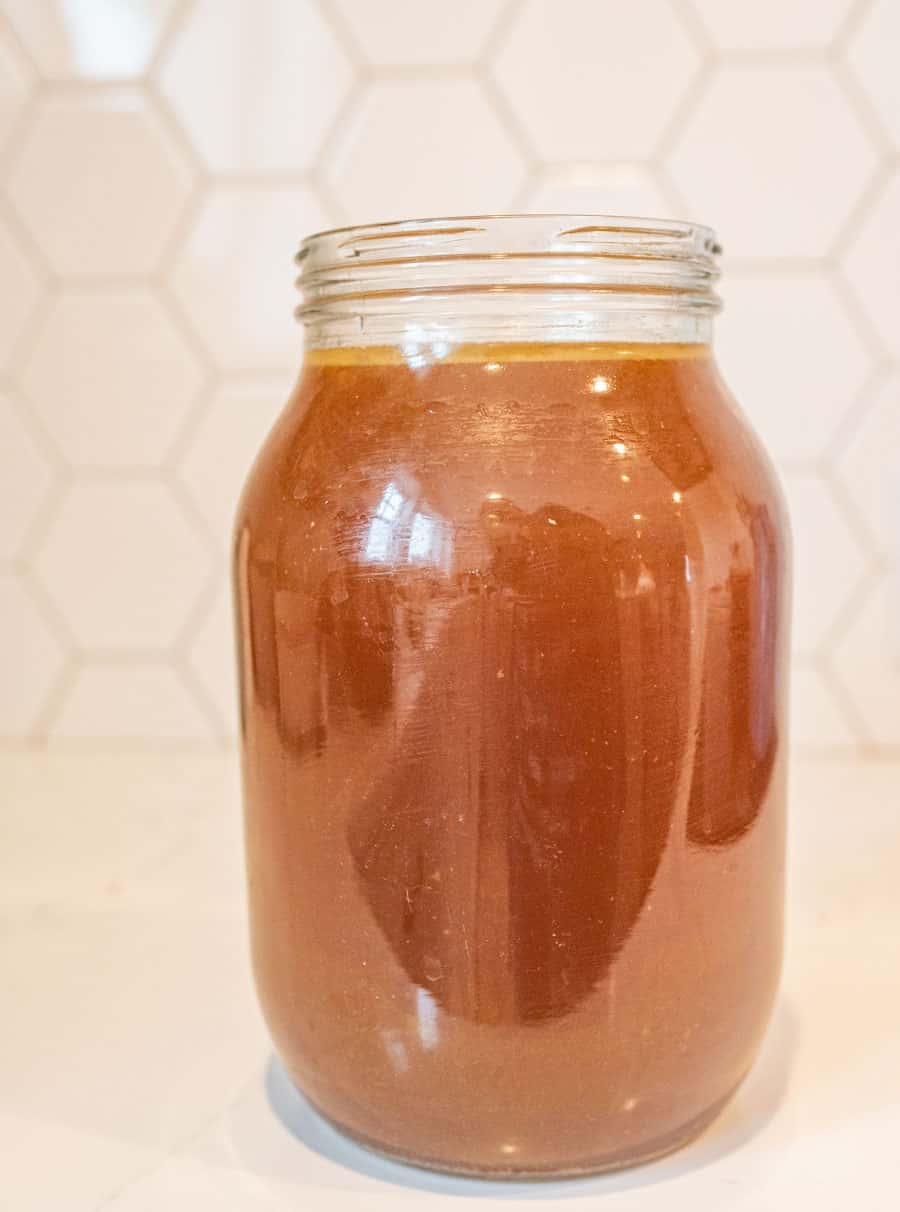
(512, 592)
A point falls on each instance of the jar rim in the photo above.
(635, 227)
(567, 272)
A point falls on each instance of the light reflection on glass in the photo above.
(399, 531)
(430, 542)
(646, 581)
(381, 528)
(426, 1013)
(107, 38)
(600, 384)
(619, 447)
(396, 1049)
(421, 349)
(421, 537)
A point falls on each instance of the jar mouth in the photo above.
(551, 263)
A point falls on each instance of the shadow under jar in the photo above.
(512, 589)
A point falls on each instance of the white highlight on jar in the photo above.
(426, 1013)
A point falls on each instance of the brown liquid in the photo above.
(513, 636)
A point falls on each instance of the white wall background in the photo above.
(161, 160)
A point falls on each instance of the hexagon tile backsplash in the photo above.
(162, 158)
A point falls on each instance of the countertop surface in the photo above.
(136, 1075)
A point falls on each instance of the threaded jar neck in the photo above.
(509, 278)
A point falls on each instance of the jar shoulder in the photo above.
(636, 450)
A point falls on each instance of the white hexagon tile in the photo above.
(583, 94)
(223, 445)
(419, 33)
(818, 721)
(161, 161)
(89, 39)
(867, 660)
(829, 560)
(392, 158)
(868, 465)
(98, 182)
(273, 76)
(111, 377)
(757, 158)
(130, 585)
(234, 274)
(788, 345)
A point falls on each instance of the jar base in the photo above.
(623, 1160)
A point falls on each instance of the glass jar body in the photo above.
(512, 632)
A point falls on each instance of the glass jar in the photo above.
(512, 586)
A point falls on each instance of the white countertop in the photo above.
(136, 1076)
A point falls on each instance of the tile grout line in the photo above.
(181, 12)
(846, 703)
(342, 32)
(342, 125)
(683, 110)
(861, 210)
(862, 318)
(855, 415)
(56, 698)
(865, 587)
(510, 122)
(8, 29)
(854, 19)
(498, 34)
(695, 27)
(860, 105)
